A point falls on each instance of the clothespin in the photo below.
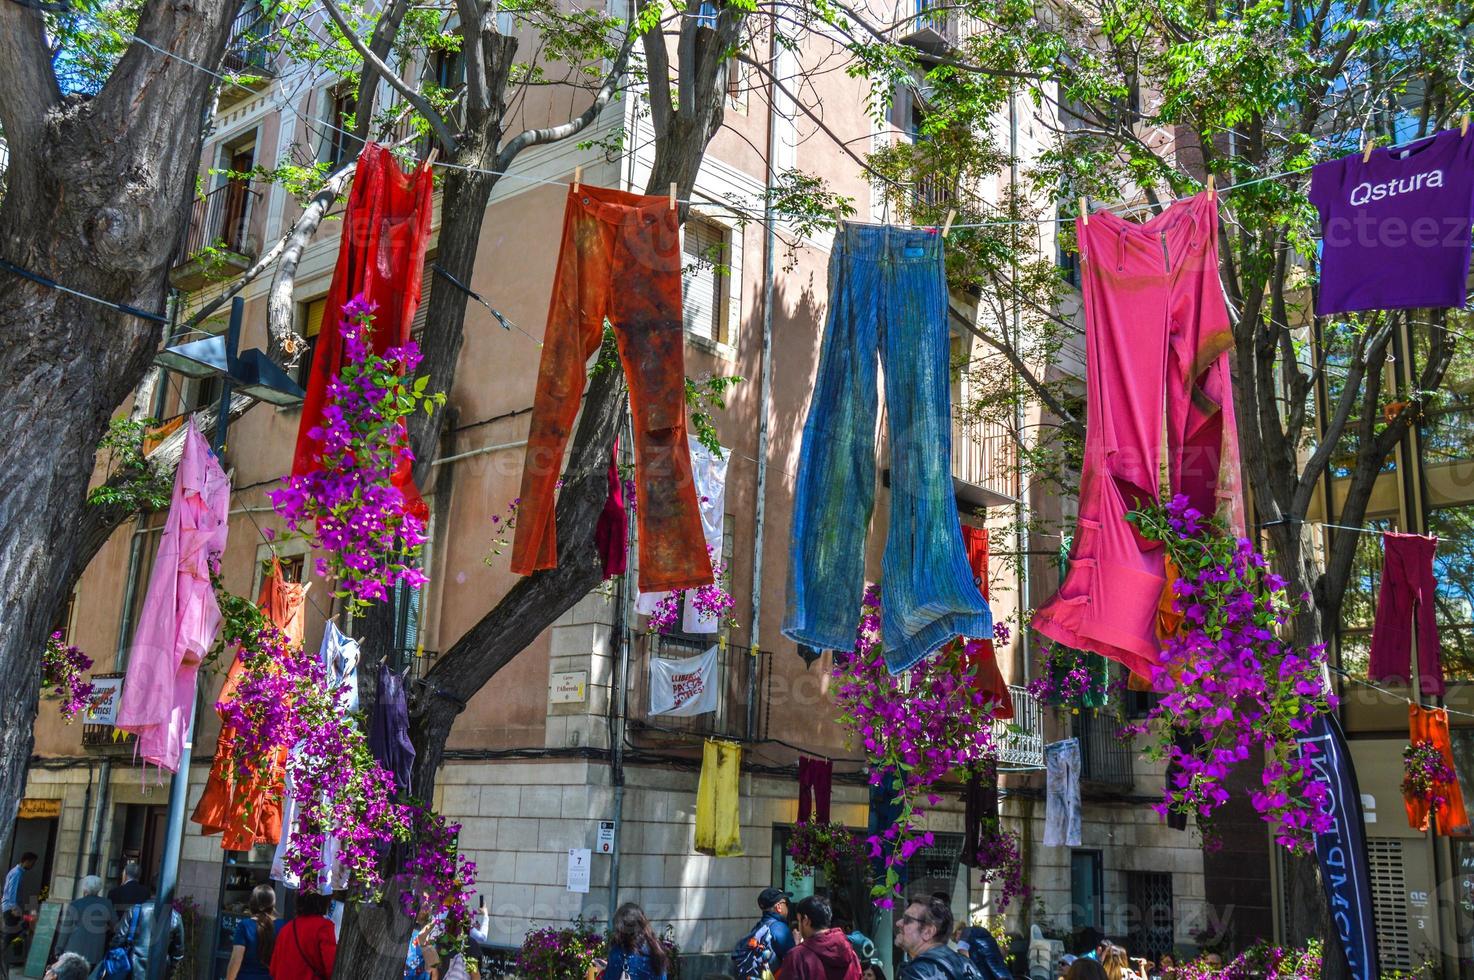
(1464, 125)
(1084, 211)
(434, 155)
(577, 177)
(722, 642)
(1211, 189)
(1366, 151)
(947, 225)
(420, 649)
(673, 196)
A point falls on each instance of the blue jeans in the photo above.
(887, 293)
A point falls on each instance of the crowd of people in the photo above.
(790, 941)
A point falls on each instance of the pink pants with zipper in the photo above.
(1157, 378)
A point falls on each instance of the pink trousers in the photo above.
(1158, 397)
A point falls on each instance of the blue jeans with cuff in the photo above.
(887, 295)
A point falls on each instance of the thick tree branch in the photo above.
(30, 88)
(280, 311)
(657, 68)
(373, 61)
(472, 27)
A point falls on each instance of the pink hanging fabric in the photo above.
(180, 616)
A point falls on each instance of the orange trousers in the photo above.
(246, 809)
(620, 259)
(1431, 725)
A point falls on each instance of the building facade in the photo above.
(532, 769)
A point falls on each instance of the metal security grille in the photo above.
(1389, 903)
(1149, 913)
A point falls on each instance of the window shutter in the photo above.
(312, 318)
(701, 298)
(422, 312)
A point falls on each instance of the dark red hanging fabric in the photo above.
(612, 535)
(815, 786)
(979, 656)
(386, 230)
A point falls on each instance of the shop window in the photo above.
(1359, 603)
(1453, 571)
(705, 274)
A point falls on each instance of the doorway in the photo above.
(139, 831)
(235, 225)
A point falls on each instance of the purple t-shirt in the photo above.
(1396, 229)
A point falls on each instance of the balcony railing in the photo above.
(939, 26)
(247, 52)
(735, 664)
(1104, 758)
(983, 457)
(1020, 739)
(222, 219)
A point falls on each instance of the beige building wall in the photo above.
(519, 816)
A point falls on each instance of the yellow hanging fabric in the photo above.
(718, 823)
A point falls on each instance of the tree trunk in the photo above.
(96, 200)
(536, 601)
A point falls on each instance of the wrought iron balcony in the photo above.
(1020, 739)
(1105, 759)
(219, 239)
(733, 718)
(983, 463)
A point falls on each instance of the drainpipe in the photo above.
(1020, 505)
(82, 835)
(765, 392)
(621, 637)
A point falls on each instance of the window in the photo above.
(704, 277)
(65, 621)
(448, 68)
(340, 105)
(310, 323)
(706, 15)
(422, 312)
(1453, 571)
(200, 393)
(1086, 890)
(1149, 913)
(409, 613)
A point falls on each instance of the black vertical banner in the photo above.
(1342, 850)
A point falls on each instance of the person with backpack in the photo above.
(132, 945)
(763, 948)
(306, 947)
(922, 932)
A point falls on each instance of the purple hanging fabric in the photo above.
(389, 729)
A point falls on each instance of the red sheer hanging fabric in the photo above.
(386, 230)
(979, 657)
